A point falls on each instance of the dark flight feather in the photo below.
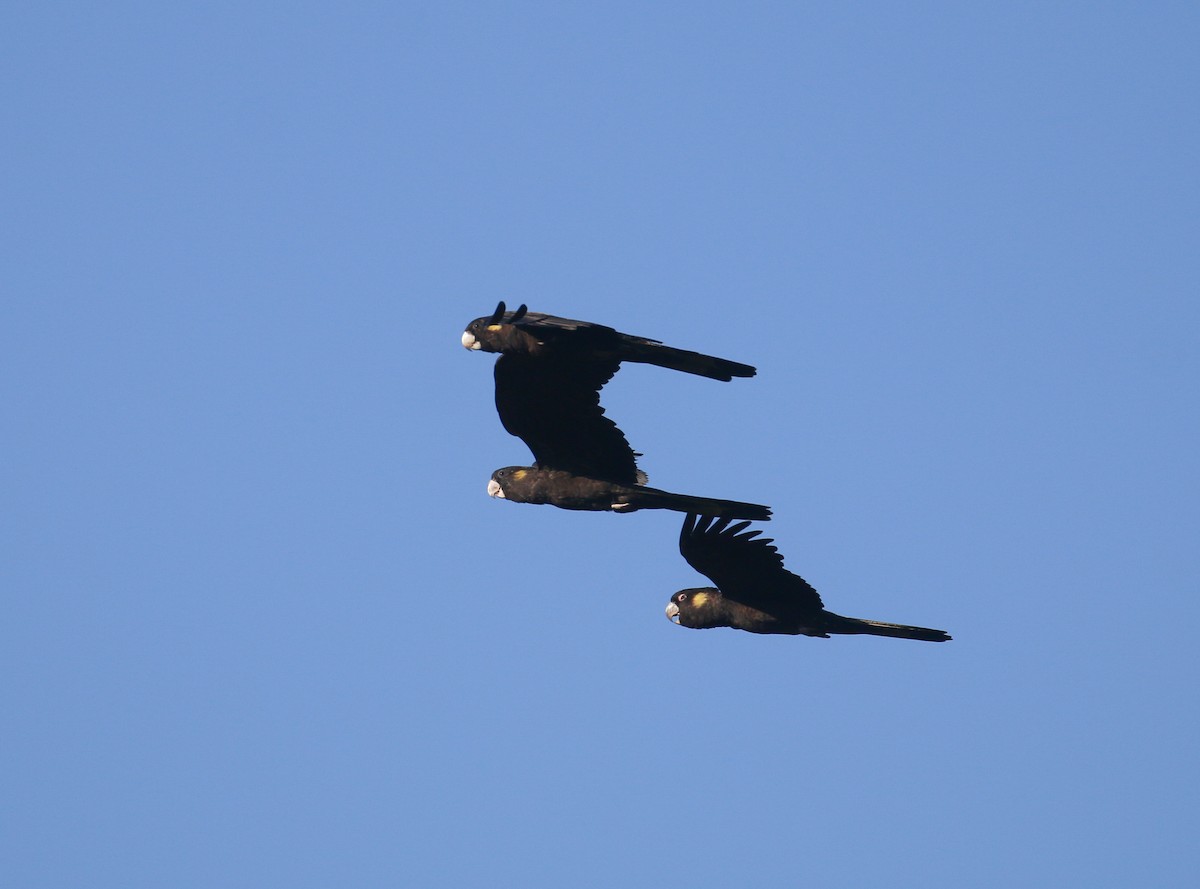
(553, 405)
(526, 484)
(746, 567)
(548, 381)
(755, 592)
(584, 339)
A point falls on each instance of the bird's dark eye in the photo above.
(682, 597)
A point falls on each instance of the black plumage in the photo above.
(539, 336)
(548, 381)
(526, 484)
(754, 592)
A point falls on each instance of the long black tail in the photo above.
(642, 351)
(653, 498)
(854, 625)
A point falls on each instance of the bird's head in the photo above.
(503, 481)
(698, 608)
(488, 333)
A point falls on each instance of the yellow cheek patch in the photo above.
(493, 327)
(520, 474)
(698, 600)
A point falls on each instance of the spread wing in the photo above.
(553, 405)
(745, 567)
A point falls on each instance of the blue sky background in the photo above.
(262, 625)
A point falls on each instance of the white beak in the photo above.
(469, 341)
(673, 612)
(494, 489)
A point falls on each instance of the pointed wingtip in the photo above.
(686, 532)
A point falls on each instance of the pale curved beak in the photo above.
(673, 612)
(494, 490)
(469, 341)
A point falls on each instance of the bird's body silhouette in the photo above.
(754, 592)
(548, 381)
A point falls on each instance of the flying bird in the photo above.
(528, 484)
(548, 381)
(545, 336)
(754, 592)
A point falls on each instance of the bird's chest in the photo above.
(756, 620)
(566, 491)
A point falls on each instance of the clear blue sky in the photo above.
(262, 625)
